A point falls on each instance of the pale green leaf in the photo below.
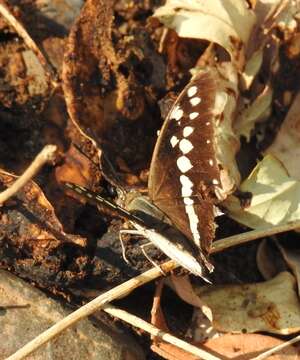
(259, 110)
(275, 196)
(286, 146)
(252, 68)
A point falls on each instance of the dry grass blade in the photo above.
(22, 32)
(141, 324)
(47, 154)
(266, 354)
(125, 288)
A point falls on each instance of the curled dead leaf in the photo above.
(233, 22)
(32, 222)
(109, 81)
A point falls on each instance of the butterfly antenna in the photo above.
(96, 199)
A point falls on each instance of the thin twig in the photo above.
(153, 330)
(47, 154)
(243, 238)
(277, 348)
(86, 310)
(29, 42)
(128, 286)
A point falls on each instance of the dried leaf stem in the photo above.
(128, 286)
(153, 330)
(243, 238)
(47, 154)
(29, 42)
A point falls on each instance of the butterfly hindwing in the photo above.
(184, 169)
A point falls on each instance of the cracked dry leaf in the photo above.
(286, 146)
(275, 196)
(227, 23)
(272, 306)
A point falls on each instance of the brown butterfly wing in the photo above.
(184, 170)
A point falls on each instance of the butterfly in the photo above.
(184, 176)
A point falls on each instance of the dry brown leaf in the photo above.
(32, 222)
(268, 259)
(77, 169)
(246, 346)
(272, 306)
(292, 258)
(166, 350)
(106, 92)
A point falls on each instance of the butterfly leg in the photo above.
(121, 233)
(137, 232)
(149, 258)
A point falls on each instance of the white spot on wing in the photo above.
(184, 164)
(207, 141)
(193, 115)
(211, 162)
(174, 141)
(215, 182)
(192, 91)
(185, 146)
(186, 188)
(187, 131)
(176, 113)
(195, 101)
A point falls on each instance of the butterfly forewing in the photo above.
(184, 170)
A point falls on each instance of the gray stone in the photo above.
(25, 312)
